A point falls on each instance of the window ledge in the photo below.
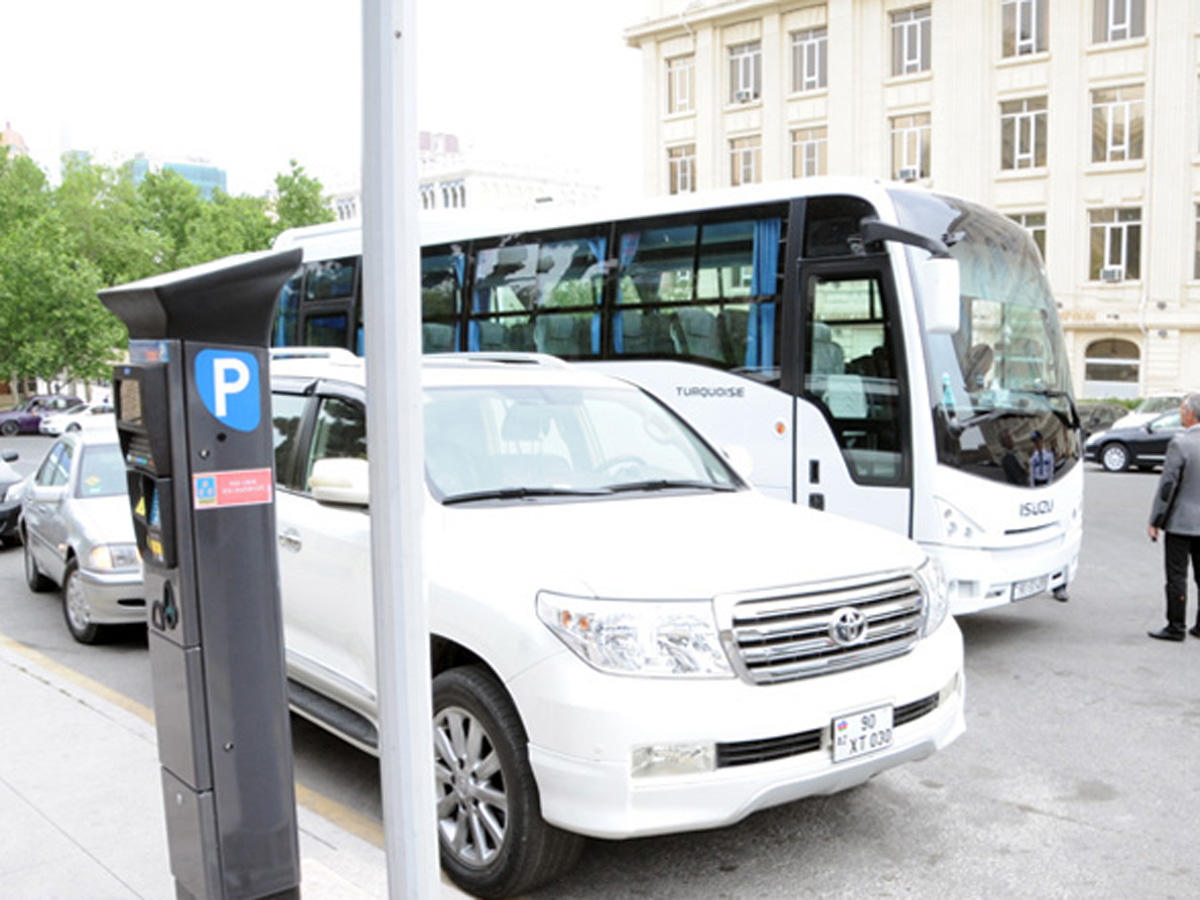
(1126, 44)
(1114, 285)
(1007, 62)
(1107, 168)
(910, 78)
(814, 94)
(731, 106)
(1029, 174)
(676, 116)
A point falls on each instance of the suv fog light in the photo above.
(949, 690)
(673, 759)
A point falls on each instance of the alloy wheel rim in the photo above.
(78, 609)
(472, 807)
(1115, 457)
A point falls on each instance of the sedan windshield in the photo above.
(101, 472)
(521, 443)
(999, 386)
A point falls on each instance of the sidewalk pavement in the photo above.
(81, 814)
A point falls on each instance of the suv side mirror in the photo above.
(342, 481)
(8, 455)
(40, 493)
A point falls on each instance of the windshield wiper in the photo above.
(1063, 395)
(958, 426)
(668, 484)
(522, 493)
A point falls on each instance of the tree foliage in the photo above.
(98, 228)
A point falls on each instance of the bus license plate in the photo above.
(1029, 587)
(862, 732)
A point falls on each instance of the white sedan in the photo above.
(90, 416)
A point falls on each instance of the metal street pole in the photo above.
(395, 444)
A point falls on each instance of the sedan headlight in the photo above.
(937, 595)
(628, 637)
(106, 557)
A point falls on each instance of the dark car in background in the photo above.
(1098, 415)
(1143, 446)
(25, 418)
(10, 510)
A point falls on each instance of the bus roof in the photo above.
(441, 227)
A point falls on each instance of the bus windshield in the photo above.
(1000, 386)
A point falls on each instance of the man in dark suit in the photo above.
(1176, 511)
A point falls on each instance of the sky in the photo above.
(249, 84)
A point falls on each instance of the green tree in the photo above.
(170, 206)
(298, 199)
(228, 225)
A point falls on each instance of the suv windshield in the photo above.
(519, 442)
(999, 386)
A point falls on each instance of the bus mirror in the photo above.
(341, 480)
(939, 279)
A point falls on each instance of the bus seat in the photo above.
(646, 333)
(437, 337)
(562, 334)
(696, 333)
(827, 355)
(736, 322)
(845, 396)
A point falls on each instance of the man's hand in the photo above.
(1153, 532)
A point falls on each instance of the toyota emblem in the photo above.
(847, 626)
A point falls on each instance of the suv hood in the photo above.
(659, 547)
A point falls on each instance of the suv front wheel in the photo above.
(493, 840)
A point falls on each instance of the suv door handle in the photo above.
(289, 539)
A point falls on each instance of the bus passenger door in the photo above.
(853, 440)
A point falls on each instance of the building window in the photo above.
(681, 80)
(1196, 258)
(745, 72)
(681, 168)
(1116, 243)
(808, 152)
(1117, 123)
(910, 40)
(1035, 224)
(1118, 20)
(745, 160)
(428, 196)
(1024, 27)
(1111, 368)
(808, 59)
(910, 146)
(1023, 133)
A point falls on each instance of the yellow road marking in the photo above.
(339, 814)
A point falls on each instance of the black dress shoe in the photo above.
(1167, 634)
(1194, 631)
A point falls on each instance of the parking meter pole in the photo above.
(194, 422)
(395, 444)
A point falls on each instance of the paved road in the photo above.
(1079, 773)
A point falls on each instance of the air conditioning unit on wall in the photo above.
(743, 96)
(1112, 273)
(909, 173)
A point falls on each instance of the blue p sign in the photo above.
(228, 384)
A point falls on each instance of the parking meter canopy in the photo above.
(209, 303)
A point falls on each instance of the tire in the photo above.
(9, 428)
(491, 835)
(37, 582)
(1115, 457)
(76, 609)
(74, 426)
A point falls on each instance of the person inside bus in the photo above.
(1014, 472)
(1041, 462)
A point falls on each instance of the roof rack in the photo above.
(332, 354)
(504, 358)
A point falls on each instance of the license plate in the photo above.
(860, 733)
(1029, 587)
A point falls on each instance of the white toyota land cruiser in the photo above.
(626, 639)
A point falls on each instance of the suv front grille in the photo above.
(789, 635)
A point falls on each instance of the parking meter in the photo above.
(193, 417)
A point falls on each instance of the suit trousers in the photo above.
(1177, 548)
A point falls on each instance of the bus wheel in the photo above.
(492, 838)
(1115, 457)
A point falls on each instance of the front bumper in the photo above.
(984, 578)
(114, 598)
(10, 513)
(584, 725)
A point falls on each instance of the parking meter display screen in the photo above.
(129, 401)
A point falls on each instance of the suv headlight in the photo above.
(937, 595)
(106, 557)
(630, 637)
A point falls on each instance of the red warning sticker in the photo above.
(242, 487)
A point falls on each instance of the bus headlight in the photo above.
(937, 595)
(629, 637)
(957, 526)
